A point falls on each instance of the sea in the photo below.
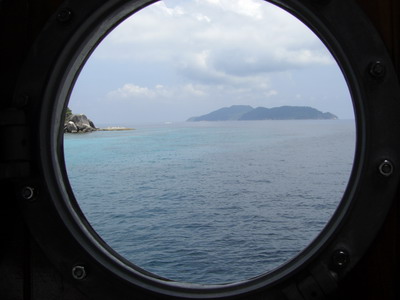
(211, 202)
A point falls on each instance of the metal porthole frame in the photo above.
(60, 228)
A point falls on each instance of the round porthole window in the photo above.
(236, 192)
(234, 151)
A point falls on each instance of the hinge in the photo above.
(14, 140)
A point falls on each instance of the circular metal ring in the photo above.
(62, 49)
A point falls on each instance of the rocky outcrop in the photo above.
(78, 124)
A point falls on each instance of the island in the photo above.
(246, 113)
(79, 123)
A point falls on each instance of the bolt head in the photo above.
(79, 272)
(340, 259)
(377, 69)
(64, 15)
(28, 193)
(386, 168)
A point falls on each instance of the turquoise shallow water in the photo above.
(211, 202)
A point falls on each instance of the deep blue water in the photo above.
(211, 202)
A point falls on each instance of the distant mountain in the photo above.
(232, 113)
(246, 112)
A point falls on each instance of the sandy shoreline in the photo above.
(114, 129)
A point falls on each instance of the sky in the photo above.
(176, 59)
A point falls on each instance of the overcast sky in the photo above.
(178, 58)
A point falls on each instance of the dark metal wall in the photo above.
(25, 272)
(377, 276)
(385, 15)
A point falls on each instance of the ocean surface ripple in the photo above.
(211, 202)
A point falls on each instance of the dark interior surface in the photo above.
(26, 272)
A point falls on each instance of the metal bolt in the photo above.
(386, 168)
(64, 15)
(340, 259)
(28, 193)
(377, 69)
(79, 272)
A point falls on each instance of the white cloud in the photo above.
(206, 54)
(194, 90)
(171, 11)
(201, 17)
(249, 8)
(241, 34)
(132, 91)
(303, 57)
(270, 93)
(159, 92)
(193, 94)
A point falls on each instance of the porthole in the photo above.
(228, 196)
(86, 258)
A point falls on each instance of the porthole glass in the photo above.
(224, 144)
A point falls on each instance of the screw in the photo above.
(386, 168)
(340, 259)
(78, 272)
(377, 70)
(64, 15)
(28, 193)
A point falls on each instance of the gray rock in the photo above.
(70, 127)
(91, 124)
(86, 128)
(79, 123)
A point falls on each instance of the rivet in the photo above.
(64, 15)
(377, 69)
(386, 168)
(79, 272)
(340, 259)
(28, 193)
